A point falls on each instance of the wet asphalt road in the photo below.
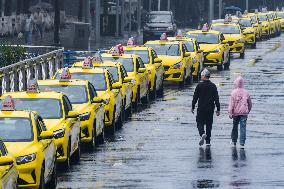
(158, 146)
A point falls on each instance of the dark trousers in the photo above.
(205, 118)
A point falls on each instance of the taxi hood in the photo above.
(80, 108)
(20, 148)
(232, 37)
(170, 60)
(208, 47)
(52, 124)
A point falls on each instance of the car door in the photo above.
(143, 77)
(48, 147)
(117, 94)
(159, 69)
(9, 172)
(98, 109)
(127, 86)
(74, 125)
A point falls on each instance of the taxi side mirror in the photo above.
(141, 70)
(72, 114)
(157, 60)
(6, 160)
(97, 100)
(46, 135)
(127, 80)
(187, 54)
(224, 42)
(116, 85)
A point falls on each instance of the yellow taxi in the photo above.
(106, 88)
(152, 63)
(233, 35)
(216, 51)
(120, 75)
(175, 58)
(59, 117)
(196, 53)
(280, 14)
(136, 70)
(8, 172)
(274, 18)
(84, 100)
(256, 24)
(248, 31)
(28, 140)
(267, 27)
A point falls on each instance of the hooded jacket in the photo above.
(240, 101)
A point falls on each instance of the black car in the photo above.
(158, 22)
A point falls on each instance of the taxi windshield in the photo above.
(189, 46)
(160, 18)
(126, 62)
(262, 18)
(16, 130)
(245, 23)
(113, 71)
(77, 94)
(206, 38)
(47, 108)
(166, 49)
(281, 15)
(253, 19)
(144, 54)
(227, 29)
(97, 79)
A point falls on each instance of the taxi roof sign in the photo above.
(8, 104)
(179, 34)
(228, 18)
(131, 42)
(32, 86)
(164, 37)
(87, 64)
(65, 74)
(205, 28)
(117, 50)
(98, 58)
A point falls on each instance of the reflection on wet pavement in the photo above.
(158, 147)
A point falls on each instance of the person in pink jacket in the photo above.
(239, 107)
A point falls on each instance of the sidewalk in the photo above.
(105, 41)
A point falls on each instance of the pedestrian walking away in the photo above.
(239, 107)
(206, 94)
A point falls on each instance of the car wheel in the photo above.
(41, 183)
(77, 154)
(153, 93)
(128, 112)
(160, 92)
(101, 137)
(196, 78)
(188, 80)
(119, 123)
(53, 182)
(182, 83)
(220, 67)
(242, 55)
(145, 99)
(135, 104)
(111, 129)
(253, 46)
(92, 144)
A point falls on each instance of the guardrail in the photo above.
(15, 77)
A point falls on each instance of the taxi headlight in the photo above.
(194, 60)
(240, 41)
(25, 159)
(216, 51)
(177, 66)
(170, 28)
(85, 116)
(59, 133)
(106, 101)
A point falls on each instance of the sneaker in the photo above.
(201, 142)
(242, 146)
(233, 144)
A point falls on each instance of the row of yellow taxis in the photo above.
(45, 126)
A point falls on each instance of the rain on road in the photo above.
(158, 146)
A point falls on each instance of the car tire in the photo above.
(67, 163)
(182, 83)
(128, 112)
(242, 55)
(111, 129)
(196, 78)
(77, 154)
(189, 79)
(160, 92)
(53, 182)
(101, 137)
(253, 46)
(119, 123)
(41, 182)
(135, 104)
(145, 99)
(153, 94)
(92, 144)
